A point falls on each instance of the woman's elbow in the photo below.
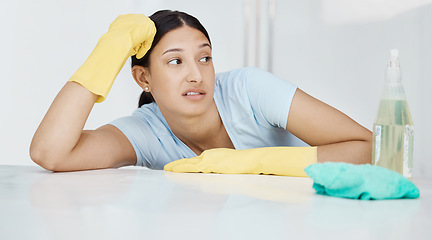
(44, 157)
(365, 148)
(366, 152)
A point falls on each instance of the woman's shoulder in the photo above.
(245, 78)
(148, 116)
(232, 87)
(238, 78)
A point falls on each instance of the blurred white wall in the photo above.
(333, 49)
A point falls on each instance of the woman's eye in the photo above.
(174, 61)
(205, 59)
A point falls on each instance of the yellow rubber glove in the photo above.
(286, 161)
(128, 35)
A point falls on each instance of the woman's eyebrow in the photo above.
(181, 49)
(173, 50)
(205, 45)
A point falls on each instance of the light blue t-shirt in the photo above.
(253, 105)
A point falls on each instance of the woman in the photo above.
(194, 109)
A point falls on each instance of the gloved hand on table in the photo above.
(286, 161)
(365, 182)
(127, 35)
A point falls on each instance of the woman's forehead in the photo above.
(183, 38)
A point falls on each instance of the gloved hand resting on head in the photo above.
(128, 35)
(286, 161)
(365, 182)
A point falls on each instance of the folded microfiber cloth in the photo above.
(365, 182)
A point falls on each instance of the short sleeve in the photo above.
(270, 96)
(141, 136)
(154, 143)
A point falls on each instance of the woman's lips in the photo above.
(194, 94)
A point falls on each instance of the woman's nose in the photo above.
(194, 74)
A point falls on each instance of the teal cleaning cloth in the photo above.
(365, 182)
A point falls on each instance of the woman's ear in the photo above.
(142, 76)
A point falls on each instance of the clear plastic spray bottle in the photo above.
(393, 132)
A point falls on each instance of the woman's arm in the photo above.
(60, 144)
(338, 137)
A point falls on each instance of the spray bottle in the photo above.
(393, 132)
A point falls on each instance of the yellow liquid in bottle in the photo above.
(393, 137)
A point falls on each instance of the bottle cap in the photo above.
(394, 53)
(394, 59)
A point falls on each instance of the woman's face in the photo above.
(181, 74)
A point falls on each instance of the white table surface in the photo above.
(138, 203)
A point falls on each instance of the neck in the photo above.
(200, 132)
